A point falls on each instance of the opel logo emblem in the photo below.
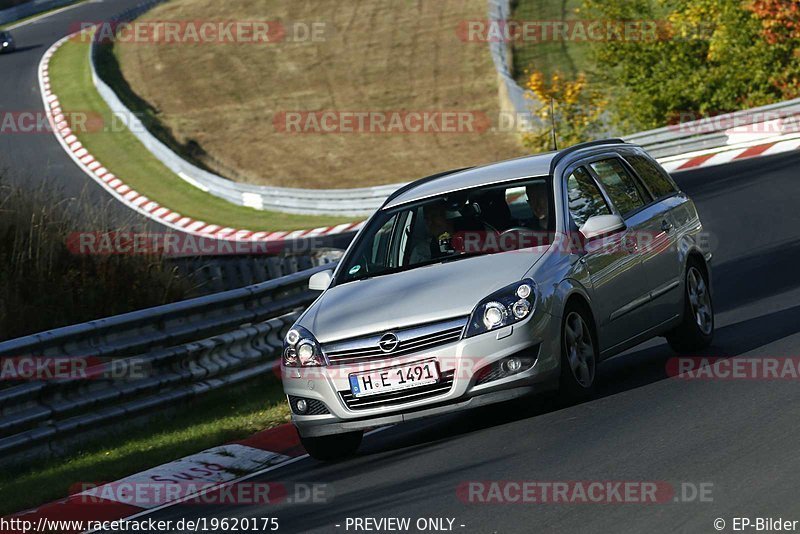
(388, 342)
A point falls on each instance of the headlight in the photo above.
(301, 349)
(510, 305)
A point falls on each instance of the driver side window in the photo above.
(584, 198)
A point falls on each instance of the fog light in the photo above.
(512, 365)
(301, 405)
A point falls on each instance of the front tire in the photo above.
(696, 330)
(334, 447)
(578, 354)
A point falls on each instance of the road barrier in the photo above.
(187, 348)
(29, 9)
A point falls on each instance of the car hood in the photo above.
(421, 295)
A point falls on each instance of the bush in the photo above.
(46, 286)
(709, 57)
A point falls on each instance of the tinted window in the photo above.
(621, 187)
(652, 176)
(584, 197)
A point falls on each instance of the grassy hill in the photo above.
(220, 100)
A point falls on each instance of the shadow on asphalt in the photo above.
(21, 49)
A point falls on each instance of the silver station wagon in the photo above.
(484, 284)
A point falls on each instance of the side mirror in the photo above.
(320, 281)
(602, 225)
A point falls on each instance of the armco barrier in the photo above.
(188, 348)
(30, 9)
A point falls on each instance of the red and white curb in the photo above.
(138, 202)
(727, 154)
(210, 471)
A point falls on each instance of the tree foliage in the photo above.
(709, 57)
(571, 104)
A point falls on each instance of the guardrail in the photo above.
(721, 130)
(188, 348)
(29, 9)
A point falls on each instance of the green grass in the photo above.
(122, 153)
(209, 421)
(568, 57)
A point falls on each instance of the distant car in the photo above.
(6, 42)
(485, 284)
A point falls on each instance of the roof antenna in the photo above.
(553, 122)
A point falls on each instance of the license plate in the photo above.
(394, 378)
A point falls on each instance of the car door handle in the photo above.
(666, 226)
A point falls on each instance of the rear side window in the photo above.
(623, 189)
(652, 176)
(584, 197)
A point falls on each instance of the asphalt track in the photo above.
(739, 436)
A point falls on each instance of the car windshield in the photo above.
(454, 226)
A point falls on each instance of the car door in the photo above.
(645, 238)
(612, 263)
(659, 244)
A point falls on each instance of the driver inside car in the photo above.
(438, 242)
(538, 201)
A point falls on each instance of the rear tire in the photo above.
(579, 354)
(696, 330)
(334, 447)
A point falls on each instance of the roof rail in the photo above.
(421, 181)
(580, 146)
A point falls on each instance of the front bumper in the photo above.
(466, 360)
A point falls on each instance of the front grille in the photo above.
(399, 397)
(411, 340)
